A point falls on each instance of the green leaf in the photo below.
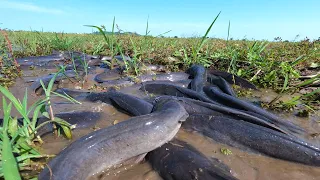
(24, 157)
(101, 31)
(286, 81)
(207, 32)
(9, 163)
(309, 81)
(36, 114)
(27, 148)
(13, 126)
(14, 100)
(10, 96)
(50, 85)
(67, 131)
(66, 96)
(298, 60)
(34, 105)
(25, 101)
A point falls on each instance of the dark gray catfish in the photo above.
(198, 107)
(181, 83)
(113, 145)
(108, 75)
(57, 58)
(36, 85)
(248, 136)
(174, 76)
(173, 90)
(45, 61)
(221, 83)
(217, 95)
(72, 92)
(78, 119)
(232, 79)
(131, 104)
(198, 73)
(178, 160)
(128, 103)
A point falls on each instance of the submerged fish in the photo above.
(178, 160)
(113, 145)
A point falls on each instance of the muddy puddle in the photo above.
(243, 165)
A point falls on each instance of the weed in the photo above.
(18, 137)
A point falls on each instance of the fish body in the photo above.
(113, 145)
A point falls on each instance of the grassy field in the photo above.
(277, 65)
(266, 63)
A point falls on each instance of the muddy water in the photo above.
(243, 165)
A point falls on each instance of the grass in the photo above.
(19, 140)
(268, 64)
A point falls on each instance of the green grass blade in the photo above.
(309, 81)
(25, 101)
(298, 60)
(228, 31)
(147, 28)
(164, 33)
(207, 32)
(24, 157)
(9, 163)
(13, 99)
(66, 96)
(101, 32)
(311, 93)
(286, 81)
(35, 115)
(53, 79)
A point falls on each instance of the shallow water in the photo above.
(243, 165)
